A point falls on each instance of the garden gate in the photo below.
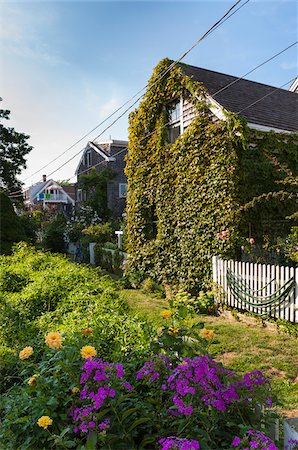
(262, 289)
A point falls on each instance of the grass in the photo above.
(242, 347)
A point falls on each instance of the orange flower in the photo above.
(54, 339)
(88, 351)
(87, 330)
(207, 334)
(44, 422)
(26, 353)
(166, 313)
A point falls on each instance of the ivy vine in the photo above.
(183, 195)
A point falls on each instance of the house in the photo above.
(102, 156)
(212, 163)
(50, 195)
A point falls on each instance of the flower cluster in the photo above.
(44, 422)
(253, 439)
(26, 353)
(166, 313)
(175, 443)
(99, 380)
(223, 235)
(88, 351)
(153, 369)
(202, 379)
(54, 339)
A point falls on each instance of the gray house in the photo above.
(110, 155)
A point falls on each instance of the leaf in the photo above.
(91, 442)
(146, 441)
(129, 412)
(138, 422)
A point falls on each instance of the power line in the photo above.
(225, 17)
(168, 123)
(267, 95)
(255, 68)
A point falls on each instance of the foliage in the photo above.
(54, 233)
(133, 403)
(98, 233)
(94, 184)
(183, 196)
(40, 291)
(291, 246)
(13, 149)
(11, 229)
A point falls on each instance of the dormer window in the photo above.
(174, 113)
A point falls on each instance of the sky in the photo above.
(66, 65)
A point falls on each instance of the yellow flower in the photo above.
(174, 330)
(207, 334)
(87, 330)
(32, 381)
(166, 313)
(75, 390)
(54, 339)
(26, 353)
(44, 422)
(88, 351)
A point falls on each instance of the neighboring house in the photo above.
(110, 155)
(201, 178)
(50, 195)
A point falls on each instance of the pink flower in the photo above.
(251, 241)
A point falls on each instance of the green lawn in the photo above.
(242, 347)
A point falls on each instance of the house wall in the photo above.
(115, 204)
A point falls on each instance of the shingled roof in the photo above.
(278, 110)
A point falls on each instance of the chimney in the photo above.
(44, 178)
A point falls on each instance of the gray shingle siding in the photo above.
(115, 203)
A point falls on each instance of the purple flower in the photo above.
(254, 444)
(104, 425)
(236, 441)
(175, 443)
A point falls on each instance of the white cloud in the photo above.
(289, 65)
(21, 34)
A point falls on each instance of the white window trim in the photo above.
(120, 190)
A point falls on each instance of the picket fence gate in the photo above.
(262, 279)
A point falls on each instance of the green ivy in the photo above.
(182, 195)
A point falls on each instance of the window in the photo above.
(174, 112)
(88, 158)
(122, 190)
(79, 199)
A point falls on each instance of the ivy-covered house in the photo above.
(101, 181)
(212, 162)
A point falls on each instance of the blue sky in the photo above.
(66, 65)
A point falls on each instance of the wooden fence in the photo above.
(255, 285)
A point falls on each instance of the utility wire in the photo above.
(225, 17)
(255, 68)
(168, 123)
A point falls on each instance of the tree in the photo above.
(13, 149)
(95, 186)
(11, 229)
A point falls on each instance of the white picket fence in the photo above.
(256, 277)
